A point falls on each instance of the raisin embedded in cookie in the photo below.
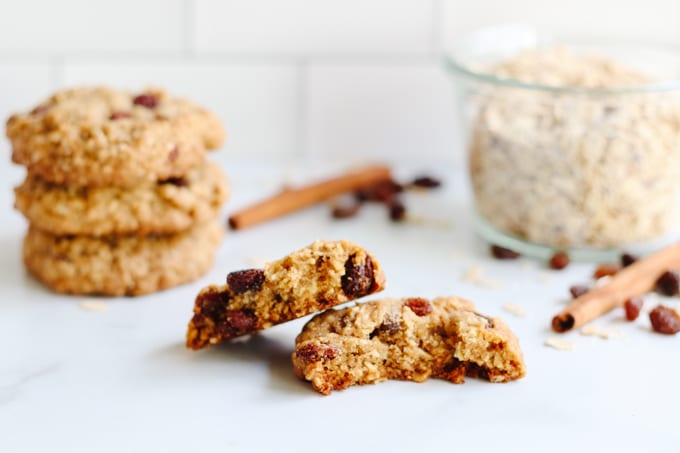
(164, 207)
(120, 265)
(409, 339)
(98, 136)
(317, 277)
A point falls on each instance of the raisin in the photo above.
(388, 326)
(119, 115)
(627, 259)
(419, 306)
(489, 321)
(665, 320)
(426, 182)
(633, 307)
(173, 154)
(313, 353)
(559, 261)
(39, 110)
(578, 290)
(501, 253)
(345, 212)
(212, 303)
(383, 191)
(176, 181)
(668, 283)
(397, 210)
(240, 321)
(359, 280)
(606, 270)
(245, 280)
(146, 100)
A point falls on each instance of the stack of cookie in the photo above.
(119, 195)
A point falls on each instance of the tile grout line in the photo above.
(436, 28)
(301, 126)
(187, 28)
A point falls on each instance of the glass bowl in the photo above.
(573, 144)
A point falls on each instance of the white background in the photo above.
(290, 77)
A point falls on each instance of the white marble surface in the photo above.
(121, 380)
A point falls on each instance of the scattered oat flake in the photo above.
(93, 305)
(595, 331)
(515, 310)
(426, 221)
(473, 274)
(559, 344)
(544, 278)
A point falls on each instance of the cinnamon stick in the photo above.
(291, 200)
(634, 280)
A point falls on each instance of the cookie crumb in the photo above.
(515, 310)
(559, 344)
(595, 331)
(93, 305)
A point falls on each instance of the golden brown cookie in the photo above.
(322, 275)
(98, 136)
(163, 207)
(409, 339)
(120, 265)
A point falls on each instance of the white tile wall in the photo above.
(314, 26)
(57, 27)
(348, 79)
(386, 111)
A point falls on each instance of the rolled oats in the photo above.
(569, 168)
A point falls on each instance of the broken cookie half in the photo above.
(315, 278)
(408, 339)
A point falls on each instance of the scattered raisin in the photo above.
(633, 307)
(397, 210)
(426, 182)
(559, 261)
(606, 270)
(246, 280)
(146, 100)
(358, 280)
(501, 253)
(176, 181)
(313, 353)
(419, 306)
(627, 259)
(345, 211)
(578, 290)
(668, 284)
(382, 192)
(665, 320)
(119, 115)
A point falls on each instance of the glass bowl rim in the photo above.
(456, 67)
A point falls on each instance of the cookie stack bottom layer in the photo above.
(120, 265)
